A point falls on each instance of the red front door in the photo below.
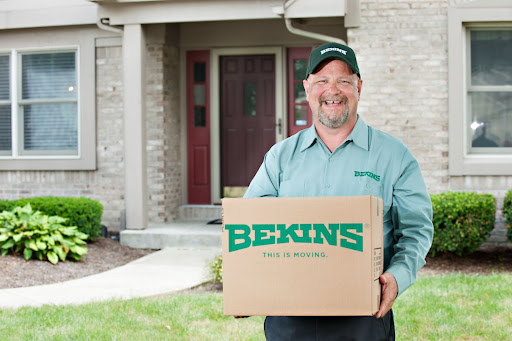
(247, 116)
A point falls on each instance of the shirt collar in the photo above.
(359, 135)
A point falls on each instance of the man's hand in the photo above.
(389, 293)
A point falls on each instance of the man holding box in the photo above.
(339, 155)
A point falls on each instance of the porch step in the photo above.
(200, 212)
(187, 234)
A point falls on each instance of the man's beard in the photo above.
(337, 122)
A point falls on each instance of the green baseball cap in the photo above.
(332, 51)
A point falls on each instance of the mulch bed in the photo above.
(107, 253)
(102, 255)
(484, 261)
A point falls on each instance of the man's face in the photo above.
(333, 92)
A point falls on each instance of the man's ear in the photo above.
(305, 83)
(359, 88)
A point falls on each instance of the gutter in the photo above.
(281, 11)
(312, 35)
(104, 24)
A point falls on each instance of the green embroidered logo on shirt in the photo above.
(369, 174)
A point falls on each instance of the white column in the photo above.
(136, 189)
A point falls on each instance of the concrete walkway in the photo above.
(165, 271)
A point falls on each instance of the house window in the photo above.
(479, 88)
(489, 95)
(41, 118)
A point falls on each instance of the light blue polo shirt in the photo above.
(369, 162)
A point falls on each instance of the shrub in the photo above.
(216, 270)
(462, 221)
(83, 213)
(38, 235)
(507, 213)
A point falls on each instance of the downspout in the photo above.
(104, 24)
(312, 35)
(318, 36)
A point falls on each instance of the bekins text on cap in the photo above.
(332, 51)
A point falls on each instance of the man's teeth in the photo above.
(332, 102)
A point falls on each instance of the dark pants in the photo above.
(327, 328)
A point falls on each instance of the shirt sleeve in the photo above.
(411, 213)
(266, 181)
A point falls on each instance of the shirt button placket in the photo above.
(327, 186)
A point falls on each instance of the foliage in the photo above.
(507, 213)
(216, 269)
(40, 236)
(84, 213)
(462, 221)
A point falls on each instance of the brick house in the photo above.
(161, 107)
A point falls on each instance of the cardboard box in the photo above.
(314, 256)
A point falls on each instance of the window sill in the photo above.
(482, 165)
(48, 164)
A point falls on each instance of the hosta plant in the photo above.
(39, 236)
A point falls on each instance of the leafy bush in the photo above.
(462, 221)
(83, 213)
(39, 235)
(216, 270)
(507, 213)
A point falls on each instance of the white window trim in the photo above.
(16, 103)
(86, 111)
(460, 162)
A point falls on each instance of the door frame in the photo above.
(280, 118)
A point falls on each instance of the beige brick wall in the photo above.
(163, 132)
(403, 57)
(402, 49)
(109, 177)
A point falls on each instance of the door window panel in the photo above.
(199, 97)
(299, 114)
(250, 99)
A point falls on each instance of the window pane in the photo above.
(301, 115)
(5, 129)
(491, 61)
(299, 66)
(5, 91)
(48, 75)
(491, 119)
(250, 99)
(199, 94)
(50, 127)
(300, 93)
(199, 72)
(199, 117)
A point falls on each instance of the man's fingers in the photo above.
(389, 293)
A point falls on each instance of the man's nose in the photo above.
(334, 88)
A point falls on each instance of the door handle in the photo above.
(279, 126)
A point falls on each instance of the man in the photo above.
(339, 155)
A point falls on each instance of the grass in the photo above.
(456, 307)
(453, 307)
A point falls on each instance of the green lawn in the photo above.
(455, 307)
